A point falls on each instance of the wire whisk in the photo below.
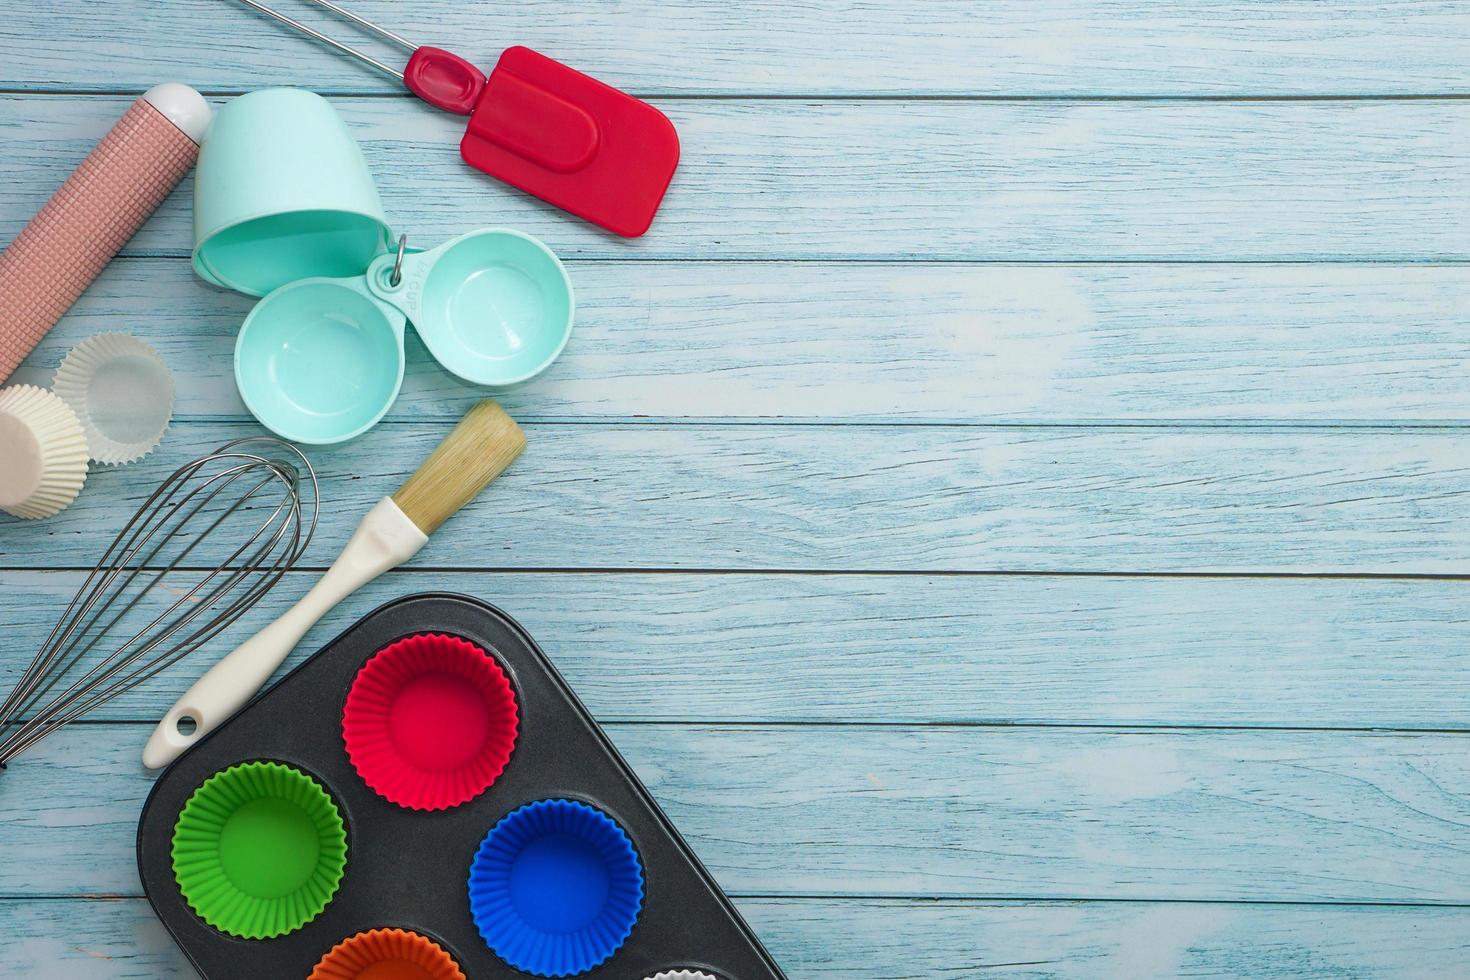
(245, 513)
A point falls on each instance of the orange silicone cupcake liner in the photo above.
(387, 954)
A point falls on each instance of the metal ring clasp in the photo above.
(397, 276)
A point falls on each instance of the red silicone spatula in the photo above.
(541, 126)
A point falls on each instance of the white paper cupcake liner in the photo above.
(122, 392)
(45, 453)
(681, 975)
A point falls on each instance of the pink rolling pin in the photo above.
(91, 217)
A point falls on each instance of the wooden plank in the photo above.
(1002, 47)
(861, 498)
(845, 939)
(1052, 813)
(906, 341)
(1300, 653)
(987, 181)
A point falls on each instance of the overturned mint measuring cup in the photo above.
(285, 206)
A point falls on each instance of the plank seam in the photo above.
(636, 423)
(1110, 727)
(979, 261)
(901, 261)
(832, 572)
(41, 91)
(1001, 425)
(936, 901)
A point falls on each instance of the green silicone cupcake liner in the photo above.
(259, 850)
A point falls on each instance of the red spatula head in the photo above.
(572, 141)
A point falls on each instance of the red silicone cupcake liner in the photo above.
(430, 722)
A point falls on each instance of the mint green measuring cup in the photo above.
(285, 207)
(282, 192)
(321, 360)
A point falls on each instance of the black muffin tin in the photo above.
(409, 869)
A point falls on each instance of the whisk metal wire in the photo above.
(137, 561)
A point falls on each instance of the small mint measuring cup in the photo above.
(321, 360)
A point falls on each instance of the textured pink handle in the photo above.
(87, 222)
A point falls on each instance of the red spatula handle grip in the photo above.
(444, 79)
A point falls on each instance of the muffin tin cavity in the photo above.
(495, 832)
(555, 888)
(259, 850)
(430, 722)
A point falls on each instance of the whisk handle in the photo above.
(385, 539)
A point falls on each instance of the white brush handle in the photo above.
(385, 539)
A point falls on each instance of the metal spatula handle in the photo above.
(331, 42)
(382, 32)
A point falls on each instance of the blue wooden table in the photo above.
(1011, 510)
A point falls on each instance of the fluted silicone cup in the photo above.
(555, 888)
(283, 193)
(387, 954)
(259, 850)
(430, 721)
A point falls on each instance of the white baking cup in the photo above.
(680, 975)
(43, 451)
(123, 393)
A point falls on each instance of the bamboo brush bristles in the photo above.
(478, 450)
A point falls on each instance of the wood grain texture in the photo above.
(951, 47)
(993, 181)
(880, 498)
(1096, 308)
(1048, 650)
(905, 342)
(855, 939)
(928, 811)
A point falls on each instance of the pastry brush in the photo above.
(479, 449)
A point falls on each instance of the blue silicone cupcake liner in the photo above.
(555, 888)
